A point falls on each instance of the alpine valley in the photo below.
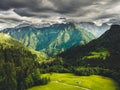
(54, 39)
(61, 49)
(59, 44)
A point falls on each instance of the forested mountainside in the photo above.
(100, 56)
(53, 39)
(18, 69)
(106, 47)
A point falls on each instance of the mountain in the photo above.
(103, 52)
(17, 64)
(51, 39)
(93, 28)
(8, 42)
(100, 56)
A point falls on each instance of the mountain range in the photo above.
(88, 56)
(52, 39)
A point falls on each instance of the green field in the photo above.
(67, 81)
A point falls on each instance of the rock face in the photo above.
(52, 39)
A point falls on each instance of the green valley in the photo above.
(59, 44)
(94, 66)
(101, 56)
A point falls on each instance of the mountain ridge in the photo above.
(107, 45)
(51, 40)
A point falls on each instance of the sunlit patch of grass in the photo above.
(93, 82)
(97, 55)
(55, 86)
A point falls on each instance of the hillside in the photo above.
(103, 53)
(52, 39)
(17, 64)
(108, 43)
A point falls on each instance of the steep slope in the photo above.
(17, 64)
(100, 56)
(6, 41)
(93, 28)
(103, 52)
(53, 39)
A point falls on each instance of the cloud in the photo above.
(35, 7)
(39, 11)
(69, 6)
(8, 4)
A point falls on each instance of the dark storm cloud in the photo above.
(59, 6)
(34, 12)
(28, 7)
(70, 6)
(49, 10)
(8, 4)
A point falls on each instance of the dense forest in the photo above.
(18, 69)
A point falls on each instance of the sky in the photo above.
(15, 12)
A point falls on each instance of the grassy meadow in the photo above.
(66, 81)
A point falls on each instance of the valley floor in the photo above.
(66, 81)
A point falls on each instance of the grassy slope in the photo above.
(65, 82)
(7, 42)
(41, 56)
(54, 86)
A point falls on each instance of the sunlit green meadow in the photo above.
(68, 81)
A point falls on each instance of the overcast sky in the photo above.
(14, 12)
